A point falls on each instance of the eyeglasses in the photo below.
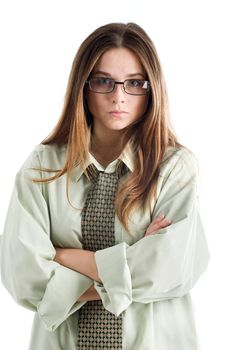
(130, 86)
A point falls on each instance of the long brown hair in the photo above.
(150, 136)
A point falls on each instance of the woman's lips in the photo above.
(117, 113)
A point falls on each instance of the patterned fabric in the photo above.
(98, 328)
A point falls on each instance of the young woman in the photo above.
(103, 238)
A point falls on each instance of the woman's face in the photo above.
(116, 110)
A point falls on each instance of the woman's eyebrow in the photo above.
(102, 72)
(109, 75)
(135, 74)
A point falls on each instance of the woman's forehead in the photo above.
(119, 61)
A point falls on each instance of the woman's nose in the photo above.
(118, 93)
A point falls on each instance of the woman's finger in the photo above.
(156, 225)
(158, 218)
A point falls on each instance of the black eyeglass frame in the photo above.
(119, 82)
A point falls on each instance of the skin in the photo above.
(118, 64)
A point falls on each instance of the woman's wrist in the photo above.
(79, 260)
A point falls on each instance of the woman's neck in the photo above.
(106, 149)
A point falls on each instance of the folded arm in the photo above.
(84, 262)
(164, 265)
(28, 270)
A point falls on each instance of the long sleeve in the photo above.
(167, 264)
(28, 271)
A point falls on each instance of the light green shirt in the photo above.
(147, 279)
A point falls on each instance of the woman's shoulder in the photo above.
(49, 156)
(179, 163)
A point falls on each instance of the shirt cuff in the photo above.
(61, 295)
(116, 287)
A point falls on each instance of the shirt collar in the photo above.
(127, 156)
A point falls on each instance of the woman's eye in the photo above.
(104, 81)
(135, 83)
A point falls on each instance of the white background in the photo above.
(194, 40)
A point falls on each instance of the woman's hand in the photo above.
(158, 223)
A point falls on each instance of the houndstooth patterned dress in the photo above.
(97, 327)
